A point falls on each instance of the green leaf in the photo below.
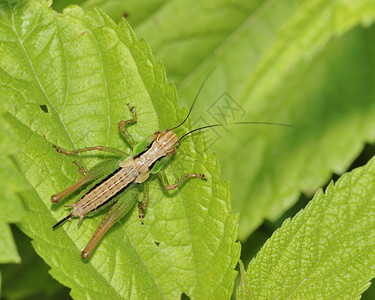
(326, 251)
(287, 61)
(71, 76)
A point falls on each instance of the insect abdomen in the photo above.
(103, 192)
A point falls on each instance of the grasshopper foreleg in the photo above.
(122, 124)
(168, 187)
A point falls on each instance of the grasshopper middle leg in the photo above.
(98, 148)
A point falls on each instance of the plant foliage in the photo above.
(66, 78)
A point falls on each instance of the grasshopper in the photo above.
(113, 176)
(110, 178)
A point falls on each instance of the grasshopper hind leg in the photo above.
(103, 227)
(94, 173)
(57, 197)
(119, 208)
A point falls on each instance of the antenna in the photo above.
(195, 99)
(235, 123)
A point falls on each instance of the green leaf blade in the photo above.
(326, 251)
(88, 71)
